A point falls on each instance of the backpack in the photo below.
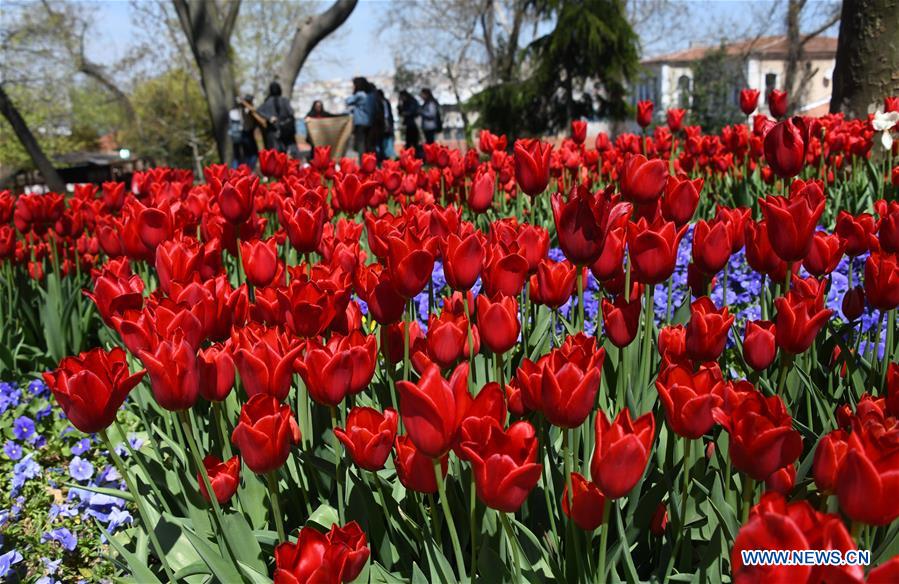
(235, 125)
(285, 125)
(439, 127)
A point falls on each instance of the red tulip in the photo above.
(215, 368)
(621, 319)
(829, 454)
(882, 280)
(776, 524)
(675, 118)
(498, 322)
(856, 231)
(680, 199)
(653, 250)
(336, 557)
(351, 194)
(792, 221)
(782, 480)
(236, 199)
(888, 231)
(409, 263)
(785, 148)
(643, 181)
(711, 246)
(569, 380)
(264, 358)
(749, 99)
(853, 305)
(174, 375)
(447, 338)
(344, 366)
(585, 508)
(644, 113)
(260, 261)
(114, 294)
(428, 409)
(369, 436)
(825, 254)
(673, 343)
(91, 387)
(273, 163)
(385, 305)
(265, 433)
(578, 131)
(759, 254)
(659, 522)
(503, 461)
(621, 452)
(762, 438)
(579, 231)
(414, 468)
(553, 284)
(532, 165)
(310, 306)
(463, 260)
(707, 330)
(690, 398)
(887, 572)
(303, 221)
(777, 103)
(505, 270)
(759, 346)
(482, 191)
(224, 477)
(798, 321)
(868, 476)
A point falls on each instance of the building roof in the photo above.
(767, 47)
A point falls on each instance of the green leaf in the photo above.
(325, 516)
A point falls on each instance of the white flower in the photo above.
(885, 122)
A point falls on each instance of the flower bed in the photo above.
(631, 361)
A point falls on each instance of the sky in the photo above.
(361, 47)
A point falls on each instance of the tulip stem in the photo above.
(580, 298)
(276, 504)
(748, 492)
(646, 353)
(337, 478)
(406, 335)
(473, 526)
(450, 524)
(138, 501)
(500, 372)
(670, 299)
(888, 349)
(569, 463)
(513, 545)
(204, 476)
(603, 540)
(220, 426)
(470, 344)
(787, 278)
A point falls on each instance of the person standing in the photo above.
(386, 147)
(242, 123)
(359, 107)
(281, 132)
(409, 110)
(431, 121)
(317, 111)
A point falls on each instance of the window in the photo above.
(683, 91)
(770, 83)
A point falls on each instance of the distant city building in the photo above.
(668, 79)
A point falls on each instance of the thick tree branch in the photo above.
(308, 35)
(30, 143)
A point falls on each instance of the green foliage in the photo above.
(171, 119)
(716, 79)
(579, 69)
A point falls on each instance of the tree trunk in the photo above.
(308, 35)
(209, 38)
(867, 66)
(794, 54)
(30, 143)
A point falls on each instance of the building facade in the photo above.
(760, 64)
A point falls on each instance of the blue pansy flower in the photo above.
(22, 427)
(80, 447)
(12, 450)
(80, 469)
(7, 560)
(63, 536)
